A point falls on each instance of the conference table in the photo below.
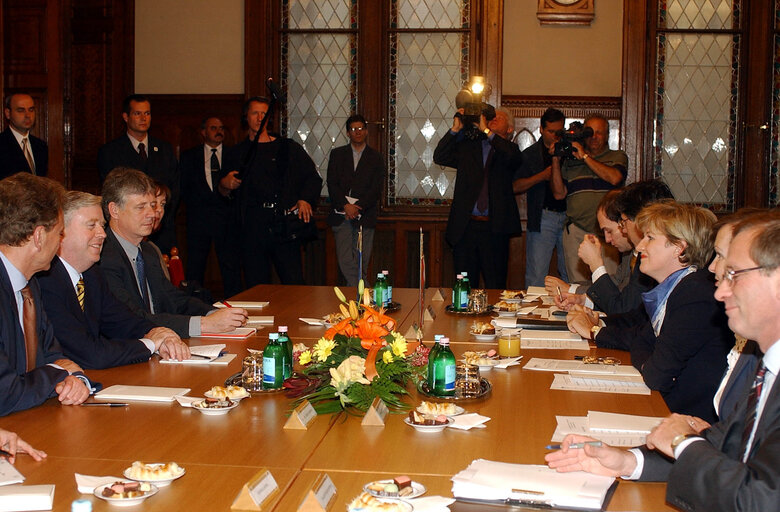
(222, 453)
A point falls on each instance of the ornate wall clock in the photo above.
(565, 12)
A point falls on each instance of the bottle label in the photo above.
(449, 377)
(464, 299)
(389, 294)
(269, 370)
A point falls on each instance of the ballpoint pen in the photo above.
(227, 304)
(106, 404)
(560, 295)
(573, 445)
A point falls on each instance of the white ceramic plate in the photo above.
(418, 489)
(214, 412)
(124, 502)
(208, 394)
(429, 428)
(458, 411)
(515, 300)
(487, 367)
(483, 337)
(407, 507)
(505, 313)
(161, 482)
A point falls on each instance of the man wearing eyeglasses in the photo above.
(355, 175)
(731, 465)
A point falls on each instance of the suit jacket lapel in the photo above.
(15, 355)
(111, 239)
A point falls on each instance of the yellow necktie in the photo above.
(27, 154)
(80, 292)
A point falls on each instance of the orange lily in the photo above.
(339, 328)
(371, 361)
(379, 317)
(370, 333)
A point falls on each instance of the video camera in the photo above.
(577, 132)
(470, 100)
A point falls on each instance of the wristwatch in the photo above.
(594, 331)
(487, 131)
(680, 438)
(585, 157)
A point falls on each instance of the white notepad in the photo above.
(26, 497)
(9, 474)
(140, 393)
(238, 333)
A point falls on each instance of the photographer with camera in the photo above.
(584, 169)
(484, 213)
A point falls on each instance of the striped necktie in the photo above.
(27, 154)
(140, 268)
(80, 292)
(30, 324)
(752, 406)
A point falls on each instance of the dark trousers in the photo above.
(480, 251)
(227, 250)
(261, 249)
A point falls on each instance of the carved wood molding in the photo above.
(572, 106)
(565, 12)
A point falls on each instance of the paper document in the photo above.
(245, 304)
(526, 310)
(490, 481)
(600, 384)
(569, 365)
(552, 339)
(536, 290)
(140, 393)
(237, 333)
(205, 354)
(257, 321)
(312, 321)
(614, 422)
(579, 425)
(8, 473)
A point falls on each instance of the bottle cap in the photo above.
(380, 275)
(386, 272)
(459, 276)
(273, 336)
(444, 341)
(437, 337)
(465, 274)
(282, 328)
(81, 506)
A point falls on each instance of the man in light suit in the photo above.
(94, 329)
(132, 267)
(32, 367)
(731, 465)
(209, 218)
(20, 150)
(138, 150)
(355, 175)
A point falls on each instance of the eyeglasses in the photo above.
(622, 223)
(357, 129)
(730, 275)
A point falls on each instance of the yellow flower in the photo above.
(387, 356)
(323, 348)
(398, 345)
(305, 357)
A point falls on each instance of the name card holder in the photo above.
(430, 314)
(438, 295)
(319, 496)
(411, 333)
(256, 494)
(301, 417)
(376, 414)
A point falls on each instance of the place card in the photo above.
(256, 493)
(376, 414)
(411, 333)
(438, 295)
(301, 417)
(430, 314)
(319, 495)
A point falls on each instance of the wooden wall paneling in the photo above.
(635, 133)
(32, 50)
(752, 184)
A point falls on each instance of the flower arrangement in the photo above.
(360, 358)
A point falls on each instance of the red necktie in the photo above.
(30, 327)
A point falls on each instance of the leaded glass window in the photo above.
(429, 62)
(696, 99)
(319, 69)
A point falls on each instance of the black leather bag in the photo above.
(289, 228)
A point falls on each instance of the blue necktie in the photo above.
(140, 268)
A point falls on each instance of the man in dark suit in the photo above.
(733, 464)
(132, 267)
(20, 150)
(484, 213)
(94, 329)
(32, 367)
(355, 175)
(138, 150)
(209, 218)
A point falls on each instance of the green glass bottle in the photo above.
(456, 292)
(389, 285)
(273, 363)
(443, 370)
(380, 288)
(431, 355)
(286, 343)
(465, 289)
